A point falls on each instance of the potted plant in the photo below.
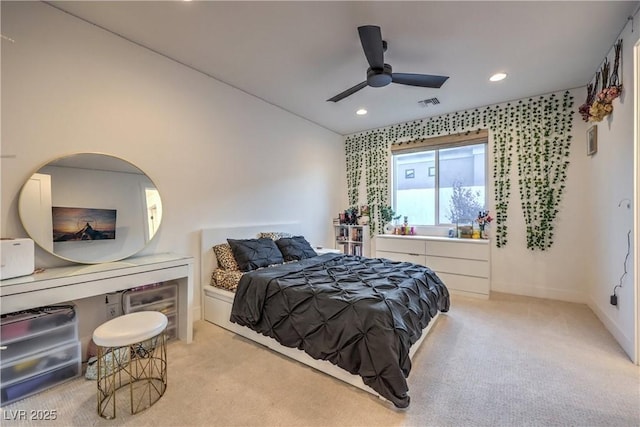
(387, 214)
(351, 215)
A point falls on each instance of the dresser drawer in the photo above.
(458, 249)
(473, 285)
(467, 267)
(401, 257)
(406, 245)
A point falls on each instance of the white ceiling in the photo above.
(296, 55)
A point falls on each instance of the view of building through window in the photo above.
(441, 186)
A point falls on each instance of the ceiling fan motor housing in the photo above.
(377, 77)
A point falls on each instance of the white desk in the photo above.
(56, 285)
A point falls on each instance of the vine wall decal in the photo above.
(354, 155)
(537, 129)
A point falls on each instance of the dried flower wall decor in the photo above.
(538, 130)
(599, 103)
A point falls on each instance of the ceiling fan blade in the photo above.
(348, 92)
(371, 40)
(422, 80)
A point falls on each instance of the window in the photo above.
(448, 180)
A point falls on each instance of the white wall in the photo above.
(587, 258)
(558, 272)
(611, 191)
(217, 155)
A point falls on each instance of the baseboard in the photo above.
(548, 293)
(625, 342)
(468, 294)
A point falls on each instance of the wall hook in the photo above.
(628, 203)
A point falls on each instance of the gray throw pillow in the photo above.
(251, 254)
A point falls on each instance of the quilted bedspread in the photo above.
(362, 314)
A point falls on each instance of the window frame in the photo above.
(435, 144)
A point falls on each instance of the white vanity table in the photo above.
(98, 211)
(57, 285)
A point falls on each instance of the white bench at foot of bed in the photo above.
(217, 310)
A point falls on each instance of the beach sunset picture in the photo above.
(73, 224)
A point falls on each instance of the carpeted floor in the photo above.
(509, 361)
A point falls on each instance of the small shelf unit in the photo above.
(352, 239)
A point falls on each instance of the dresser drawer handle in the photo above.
(413, 254)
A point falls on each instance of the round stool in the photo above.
(131, 351)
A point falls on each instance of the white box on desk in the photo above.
(18, 258)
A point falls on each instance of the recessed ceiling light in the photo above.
(497, 77)
(361, 112)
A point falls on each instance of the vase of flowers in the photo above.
(483, 220)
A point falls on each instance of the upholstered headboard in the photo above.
(214, 236)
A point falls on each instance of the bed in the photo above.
(362, 332)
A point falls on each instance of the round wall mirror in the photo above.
(90, 208)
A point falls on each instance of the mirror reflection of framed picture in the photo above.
(592, 140)
(409, 173)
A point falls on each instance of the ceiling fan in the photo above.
(380, 74)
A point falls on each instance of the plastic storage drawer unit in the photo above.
(40, 349)
(162, 298)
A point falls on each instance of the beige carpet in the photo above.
(509, 361)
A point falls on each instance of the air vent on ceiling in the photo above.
(425, 102)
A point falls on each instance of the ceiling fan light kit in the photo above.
(379, 78)
(380, 74)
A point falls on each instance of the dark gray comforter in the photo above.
(361, 314)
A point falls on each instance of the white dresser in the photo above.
(464, 265)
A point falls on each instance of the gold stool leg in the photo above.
(144, 367)
(107, 379)
(148, 373)
(112, 363)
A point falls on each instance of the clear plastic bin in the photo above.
(172, 326)
(20, 348)
(23, 368)
(148, 299)
(162, 298)
(40, 349)
(37, 383)
(19, 326)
